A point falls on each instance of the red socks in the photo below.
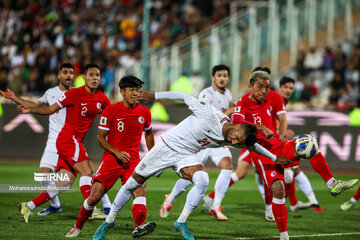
(139, 213)
(43, 197)
(280, 214)
(83, 216)
(268, 195)
(357, 194)
(319, 164)
(290, 192)
(85, 190)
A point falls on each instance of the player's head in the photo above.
(66, 75)
(286, 87)
(259, 84)
(259, 68)
(92, 75)
(220, 75)
(130, 88)
(243, 134)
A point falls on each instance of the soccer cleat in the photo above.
(208, 202)
(317, 208)
(269, 216)
(165, 208)
(343, 185)
(218, 214)
(97, 215)
(101, 231)
(299, 206)
(347, 205)
(50, 210)
(74, 232)
(25, 212)
(144, 229)
(183, 228)
(106, 210)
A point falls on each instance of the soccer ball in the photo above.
(306, 146)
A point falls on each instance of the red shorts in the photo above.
(110, 170)
(269, 170)
(71, 151)
(245, 155)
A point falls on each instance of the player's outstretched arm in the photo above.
(146, 96)
(11, 95)
(268, 134)
(41, 110)
(257, 148)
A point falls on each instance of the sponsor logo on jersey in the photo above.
(273, 174)
(62, 98)
(83, 104)
(98, 105)
(141, 120)
(254, 114)
(103, 120)
(268, 112)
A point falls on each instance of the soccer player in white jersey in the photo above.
(50, 155)
(220, 97)
(207, 127)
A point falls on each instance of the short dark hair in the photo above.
(285, 80)
(219, 67)
(66, 65)
(130, 81)
(259, 68)
(250, 135)
(91, 65)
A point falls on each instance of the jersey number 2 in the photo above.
(204, 142)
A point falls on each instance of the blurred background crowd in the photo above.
(36, 36)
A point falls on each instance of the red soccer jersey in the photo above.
(81, 110)
(125, 126)
(277, 105)
(248, 110)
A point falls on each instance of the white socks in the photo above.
(106, 201)
(331, 183)
(221, 186)
(55, 200)
(180, 186)
(195, 195)
(305, 186)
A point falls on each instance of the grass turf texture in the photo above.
(242, 205)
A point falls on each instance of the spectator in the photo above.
(313, 60)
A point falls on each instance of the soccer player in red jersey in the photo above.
(120, 129)
(256, 109)
(82, 105)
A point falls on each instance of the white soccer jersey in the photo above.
(202, 129)
(57, 119)
(218, 100)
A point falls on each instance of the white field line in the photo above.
(302, 236)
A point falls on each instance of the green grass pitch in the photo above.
(242, 205)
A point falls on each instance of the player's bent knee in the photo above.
(225, 163)
(278, 189)
(201, 178)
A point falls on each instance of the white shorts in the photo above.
(216, 154)
(50, 156)
(162, 157)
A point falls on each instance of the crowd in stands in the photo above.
(38, 35)
(332, 74)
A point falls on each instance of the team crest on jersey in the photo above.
(98, 105)
(141, 120)
(103, 120)
(273, 174)
(268, 112)
(62, 98)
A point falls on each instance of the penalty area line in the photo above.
(300, 236)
